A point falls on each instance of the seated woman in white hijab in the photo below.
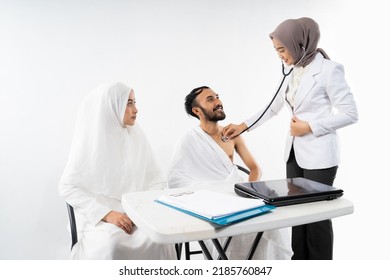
(110, 156)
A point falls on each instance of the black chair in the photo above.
(187, 249)
(243, 169)
(72, 223)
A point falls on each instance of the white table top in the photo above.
(165, 225)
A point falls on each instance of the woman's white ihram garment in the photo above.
(108, 159)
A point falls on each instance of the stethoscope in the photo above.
(225, 139)
(273, 98)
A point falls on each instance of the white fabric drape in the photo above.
(199, 160)
(108, 159)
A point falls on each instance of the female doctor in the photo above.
(320, 102)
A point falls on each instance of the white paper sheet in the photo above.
(210, 204)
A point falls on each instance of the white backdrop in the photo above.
(53, 52)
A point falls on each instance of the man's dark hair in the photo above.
(190, 101)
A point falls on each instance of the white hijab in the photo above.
(108, 158)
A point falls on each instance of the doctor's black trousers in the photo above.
(312, 241)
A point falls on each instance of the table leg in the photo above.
(178, 247)
(254, 245)
(205, 250)
(217, 245)
(226, 245)
(220, 250)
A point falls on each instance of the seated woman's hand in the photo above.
(120, 220)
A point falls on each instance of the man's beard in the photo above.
(213, 116)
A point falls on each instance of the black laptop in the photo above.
(287, 191)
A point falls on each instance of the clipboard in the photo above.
(217, 208)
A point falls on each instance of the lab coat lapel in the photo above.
(308, 81)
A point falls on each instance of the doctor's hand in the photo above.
(232, 130)
(299, 127)
(120, 220)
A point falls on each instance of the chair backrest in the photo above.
(72, 223)
(243, 169)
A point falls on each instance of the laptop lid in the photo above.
(287, 191)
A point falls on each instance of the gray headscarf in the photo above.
(297, 33)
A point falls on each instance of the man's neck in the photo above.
(211, 128)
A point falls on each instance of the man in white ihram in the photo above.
(203, 157)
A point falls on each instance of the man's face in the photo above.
(210, 106)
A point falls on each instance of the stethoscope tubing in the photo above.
(276, 93)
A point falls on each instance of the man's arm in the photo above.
(248, 159)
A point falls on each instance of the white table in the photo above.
(165, 225)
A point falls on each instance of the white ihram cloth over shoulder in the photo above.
(108, 159)
(200, 160)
